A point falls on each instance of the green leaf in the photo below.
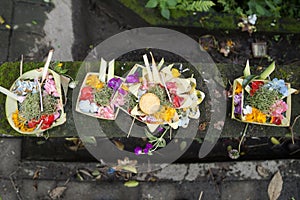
(151, 137)
(247, 80)
(131, 183)
(63, 71)
(274, 141)
(96, 173)
(161, 142)
(2, 20)
(172, 3)
(268, 71)
(130, 169)
(260, 10)
(270, 4)
(151, 4)
(247, 70)
(165, 13)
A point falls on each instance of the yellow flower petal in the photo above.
(94, 82)
(238, 88)
(175, 72)
(124, 87)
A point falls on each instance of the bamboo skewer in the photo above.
(11, 94)
(45, 71)
(21, 65)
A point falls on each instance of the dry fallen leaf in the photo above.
(202, 126)
(275, 186)
(263, 172)
(119, 145)
(126, 161)
(36, 174)
(85, 172)
(130, 169)
(57, 192)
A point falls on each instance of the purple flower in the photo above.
(114, 83)
(237, 99)
(122, 91)
(133, 78)
(146, 151)
(160, 129)
(237, 103)
(147, 148)
(138, 151)
(238, 109)
(149, 145)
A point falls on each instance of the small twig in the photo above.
(258, 145)
(14, 185)
(67, 181)
(294, 152)
(292, 127)
(200, 196)
(242, 139)
(165, 86)
(170, 133)
(213, 179)
(131, 127)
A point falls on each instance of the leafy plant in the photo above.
(265, 8)
(59, 68)
(186, 5)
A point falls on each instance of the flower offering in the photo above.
(39, 107)
(158, 94)
(97, 92)
(260, 101)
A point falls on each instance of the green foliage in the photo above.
(263, 8)
(200, 6)
(186, 5)
(59, 68)
(102, 97)
(263, 99)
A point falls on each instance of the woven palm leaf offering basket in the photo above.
(97, 91)
(159, 95)
(34, 101)
(258, 100)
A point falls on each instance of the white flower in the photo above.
(247, 110)
(94, 108)
(84, 106)
(252, 19)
